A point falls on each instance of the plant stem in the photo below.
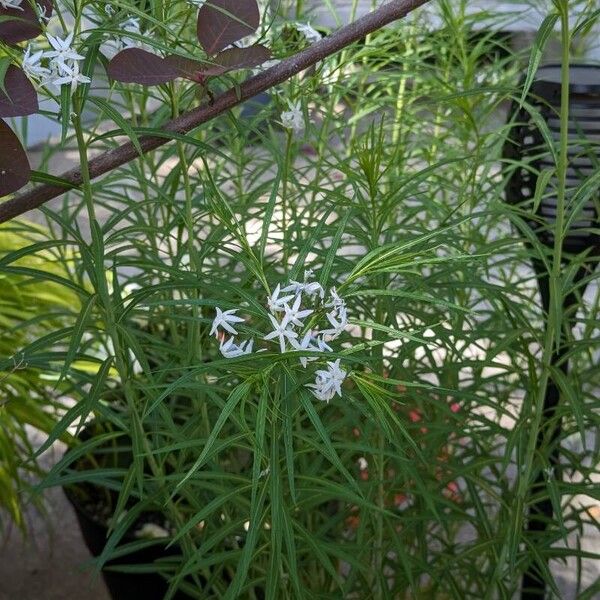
(121, 357)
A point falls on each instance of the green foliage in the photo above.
(394, 193)
(29, 310)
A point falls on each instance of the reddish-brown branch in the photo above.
(392, 11)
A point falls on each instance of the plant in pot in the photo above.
(279, 430)
(303, 332)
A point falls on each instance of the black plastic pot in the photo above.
(122, 586)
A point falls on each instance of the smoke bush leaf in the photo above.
(188, 68)
(242, 58)
(223, 22)
(134, 65)
(20, 25)
(18, 96)
(14, 166)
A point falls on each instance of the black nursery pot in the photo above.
(122, 586)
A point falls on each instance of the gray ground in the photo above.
(48, 565)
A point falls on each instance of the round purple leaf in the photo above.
(23, 24)
(20, 98)
(223, 22)
(134, 65)
(14, 166)
(188, 68)
(241, 58)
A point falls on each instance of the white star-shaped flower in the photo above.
(293, 286)
(71, 75)
(328, 383)
(42, 12)
(224, 319)
(338, 319)
(294, 315)
(230, 349)
(293, 118)
(323, 347)
(275, 303)
(132, 25)
(310, 343)
(280, 331)
(309, 32)
(62, 52)
(314, 288)
(334, 299)
(11, 4)
(31, 64)
(311, 289)
(306, 345)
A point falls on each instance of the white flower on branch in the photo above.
(32, 65)
(72, 76)
(309, 32)
(62, 52)
(311, 288)
(309, 343)
(230, 349)
(293, 118)
(294, 314)
(64, 63)
(275, 303)
(42, 13)
(328, 382)
(338, 319)
(281, 331)
(288, 313)
(11, 4)
(305, 345)
(224, 319)
(131, 25)
(334, 300)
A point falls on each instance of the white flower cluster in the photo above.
(110, 48)
(287, 318)
(328, 383)
(62, 63)
(293, 118)
(309, 32)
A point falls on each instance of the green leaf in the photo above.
(5, 62)
(65, 111)
(239, 392)
(331, 254)
(268, 215)
(46, 178)
(328, 449)
(540, 187)
(308, 246)
(256, 502)
(587, 23)
(537, 51)
(118, 119)
(81, 410)
(76, 335)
